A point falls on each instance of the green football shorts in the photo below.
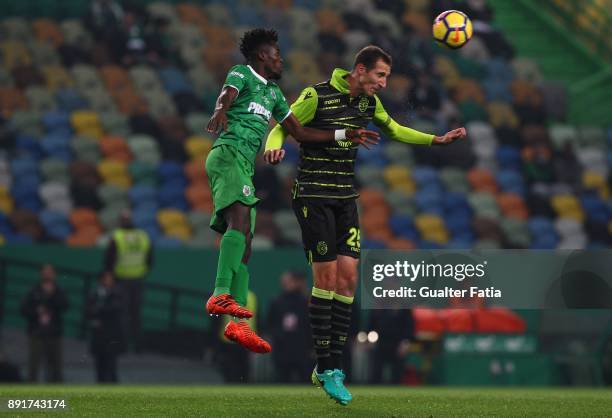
(230, 176)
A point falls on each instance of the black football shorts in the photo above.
(330, 227)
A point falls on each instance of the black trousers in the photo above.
(48, 349)
(131, 293)
(106, 367)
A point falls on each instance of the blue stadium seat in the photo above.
(28, 145)
(594, 207)
(24, 166)
(56, 224)
(174, 81)
(424, 175)
(142, 193)
(57, 123)
(509, 157)
(70, 100)
(499, 69)
(403, 226)
(168, 242)
(171, 197)
(168, 170)
(57, 146)
(511, 181)
(369, 244)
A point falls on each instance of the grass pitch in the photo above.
(262, 400)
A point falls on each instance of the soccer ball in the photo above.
(452, 29)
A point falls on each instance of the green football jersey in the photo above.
(258, 100)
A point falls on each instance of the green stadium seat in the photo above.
(86, 149)
(516, 232)
(143, 172)
(44, 54)
(54, 170)
(454, 179)
(40, 99)
(484, 205)
(27, 122)
(115, 123)
(196, 122)
(562, 134)
(111, 195)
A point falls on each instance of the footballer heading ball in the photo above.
(452, 29)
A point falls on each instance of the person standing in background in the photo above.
(43, 308)
(129, 256)
(289, 327)
(104, 314)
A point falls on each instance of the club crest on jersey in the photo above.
(258, 109)
(273, 94)
(363, 104)
(322, 247)
(246, 190)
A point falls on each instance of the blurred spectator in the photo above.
(267, 186)
(477, 10)
(104, 18)
(135, 41)
(424, 97)
(129, 256)
(104, 313)
(43, 308)
(233, 361)
(567, 167)
(158, 41)
(289, 328)
(395, 328)
(9, 372)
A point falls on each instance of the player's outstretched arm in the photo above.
(449, 137)
(218, 121)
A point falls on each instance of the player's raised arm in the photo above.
(407, 135)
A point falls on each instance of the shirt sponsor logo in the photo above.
(330, 102)
(258, 109)
(237, 74)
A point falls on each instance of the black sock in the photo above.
(340, 325)
(320, 308)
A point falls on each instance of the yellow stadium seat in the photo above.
(169, 218)
(439, 236)
(6, 205)
(408, 187)
(198, 147)
(577, 214)
(427, 223)
(394, 174)
(112, 168)
(564, 203)
(501, 114)
(86, 123)
(592, 180)
(182, 232)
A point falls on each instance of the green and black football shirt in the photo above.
(327, 170)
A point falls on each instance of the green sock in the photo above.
(240, 285)
(230, 254)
